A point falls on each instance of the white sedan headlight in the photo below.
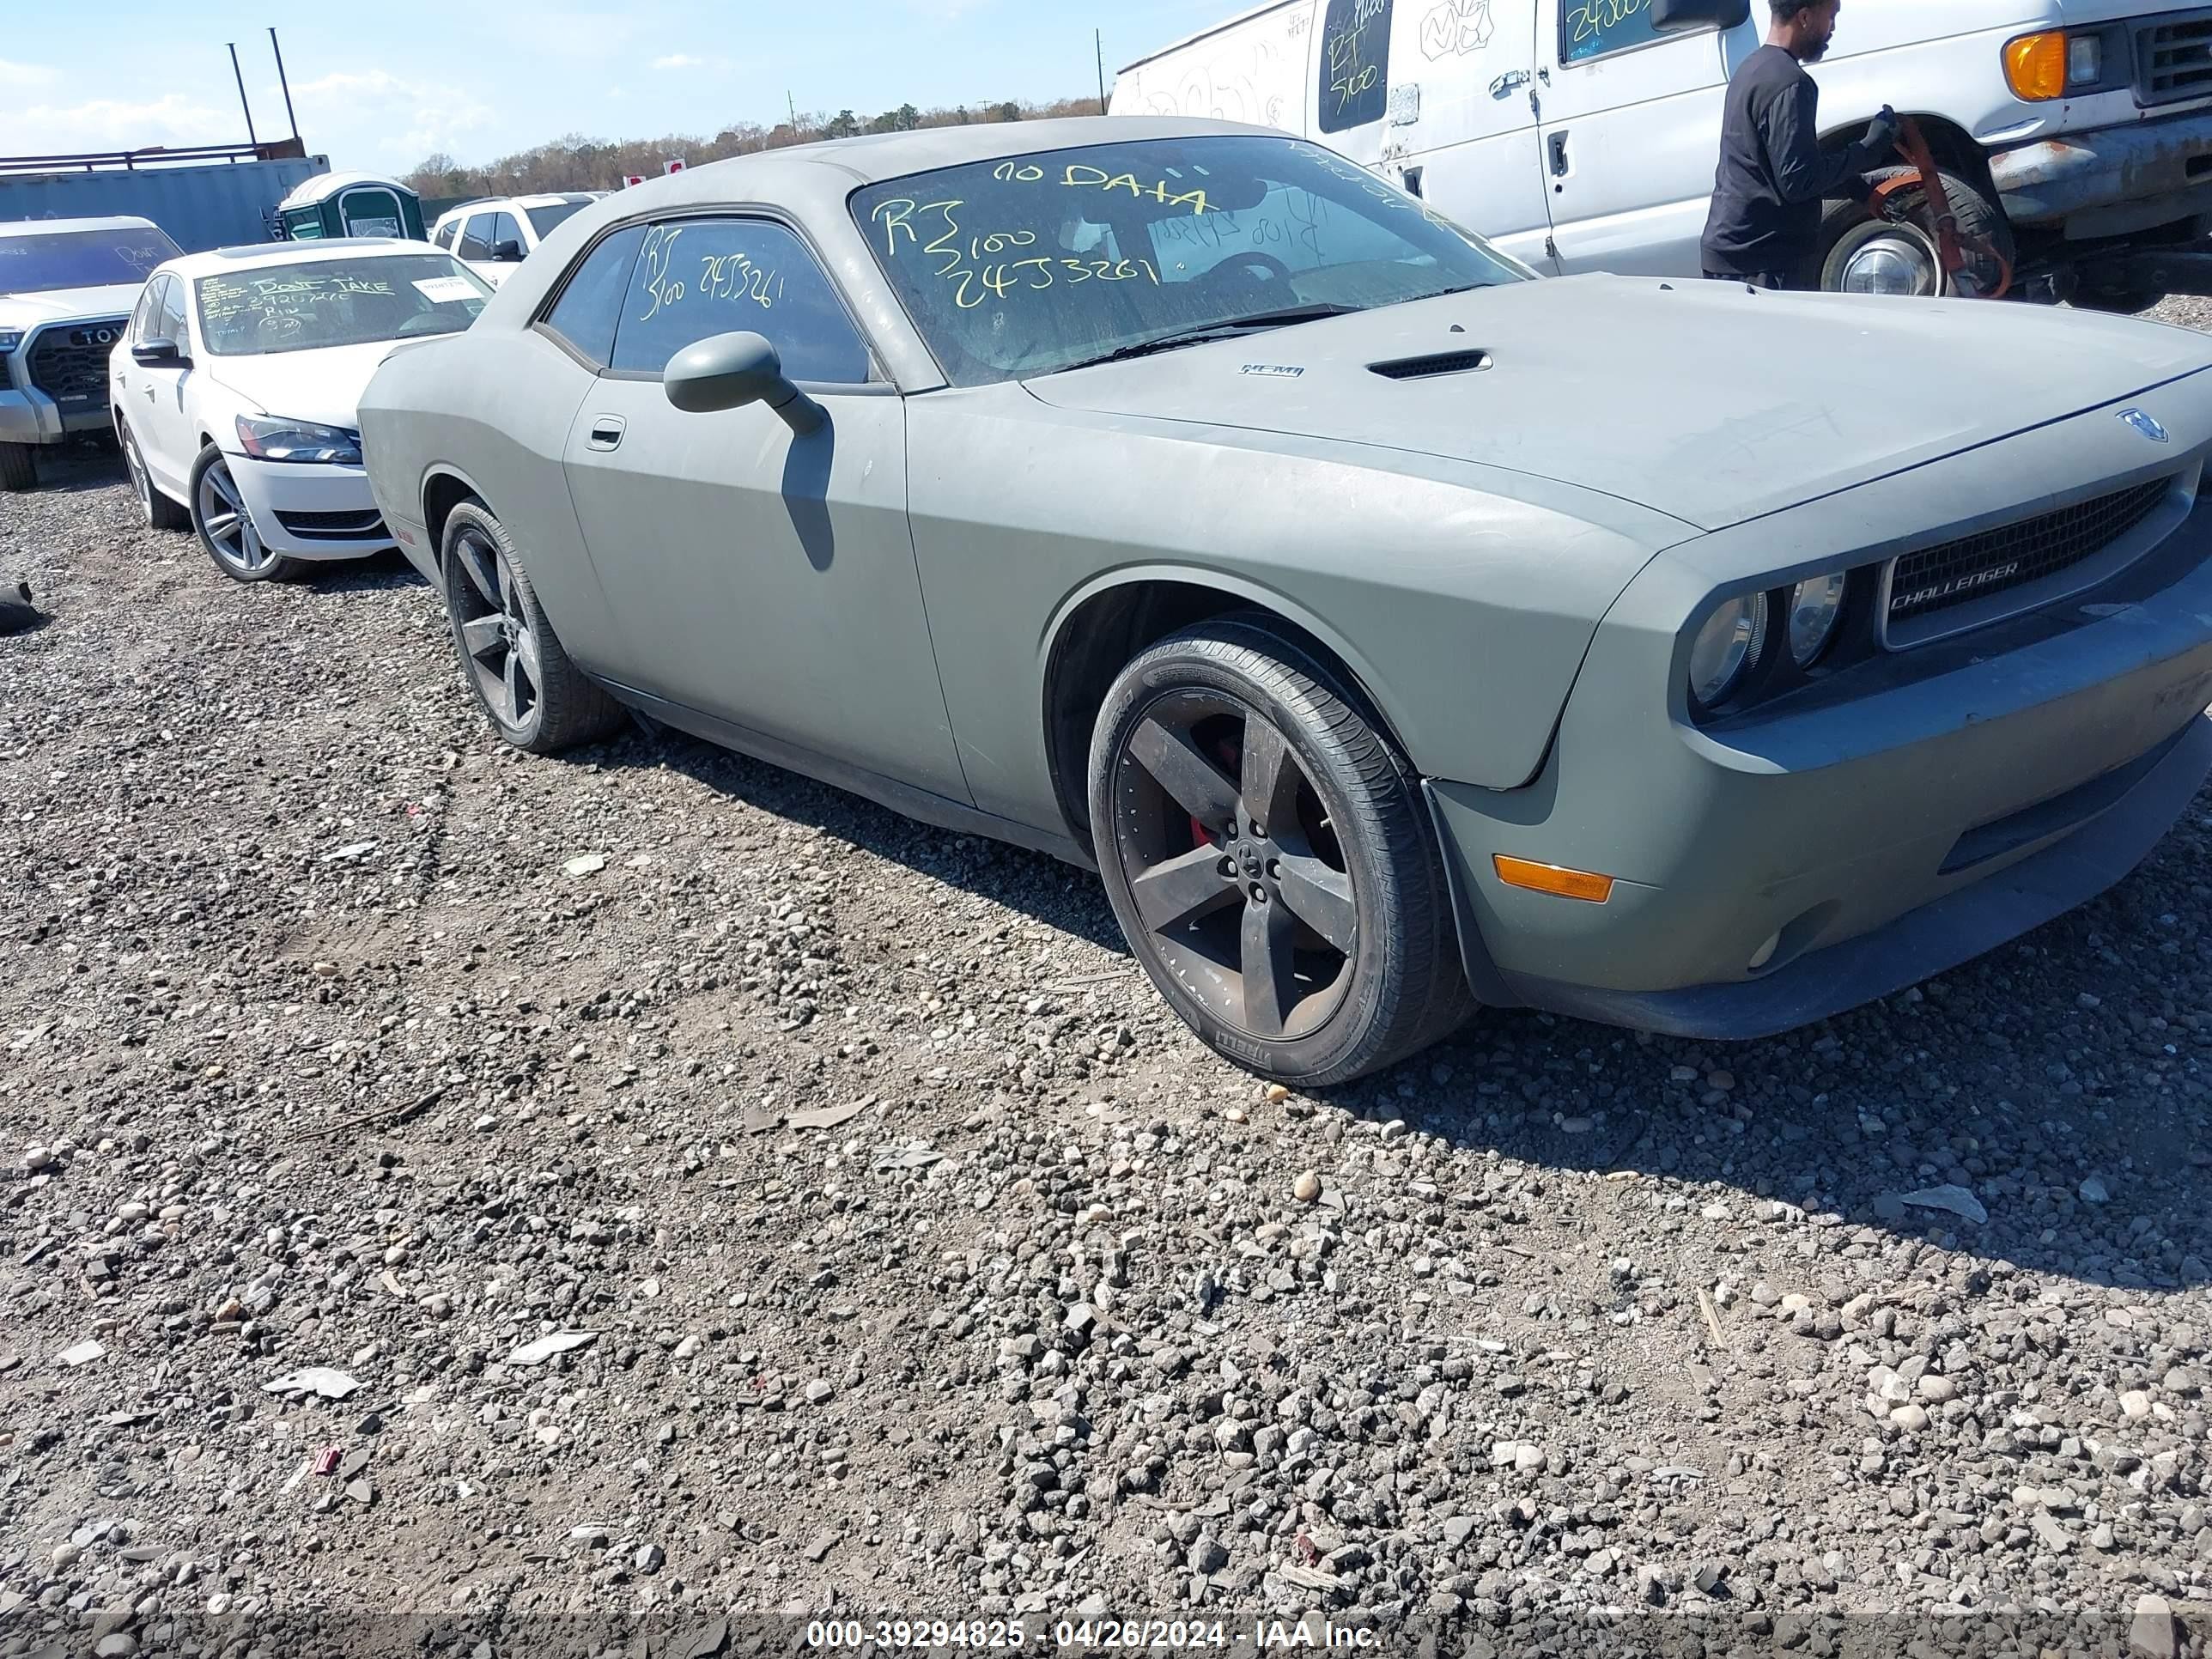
(272, 438)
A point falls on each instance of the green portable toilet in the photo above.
(351, 204)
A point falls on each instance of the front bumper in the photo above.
(309, 510)
(2114, 181)
(30, 416)
(1966, 791)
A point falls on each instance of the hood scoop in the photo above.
(1429, 368)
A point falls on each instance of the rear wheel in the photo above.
(1269, 858)
(18, 469)
(226, 528)
(157, 509)
(511, 658)
(1861, 253)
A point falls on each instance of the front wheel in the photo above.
(19, 467)
(1862, 254)
(513, 660)
(226, 525)
(1269, 858)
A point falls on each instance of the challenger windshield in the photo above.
(338, 302)
(1038, 263)
(41, 263)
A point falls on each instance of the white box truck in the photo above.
(2075, 136)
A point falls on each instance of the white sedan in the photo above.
(233, 390)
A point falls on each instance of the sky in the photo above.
(478, 79)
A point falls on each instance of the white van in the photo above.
(1582, 135)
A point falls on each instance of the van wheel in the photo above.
(18, 471)
(1862, 254)
(1269, 858)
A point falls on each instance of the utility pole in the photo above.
(793, 104)
(287, 85)
(1098, 44)
(242, 104)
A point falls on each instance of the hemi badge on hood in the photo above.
(1278, 371)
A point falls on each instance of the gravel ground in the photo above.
(917, 1261)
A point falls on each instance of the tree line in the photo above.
(574, 162)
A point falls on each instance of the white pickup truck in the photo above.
(66, 289)
(2075, 137)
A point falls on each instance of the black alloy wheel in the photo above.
(1270, 859)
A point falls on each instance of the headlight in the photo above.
(2085, 60)
(271, 438)
(1816, 608)
(9, 339)
(1725, 648)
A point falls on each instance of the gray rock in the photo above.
(2095, 1191)
(819, 1392)
(648, 1558)
(2151, 1633)
(1207, 1555)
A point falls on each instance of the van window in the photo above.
(1591, 28)
(1355, 62)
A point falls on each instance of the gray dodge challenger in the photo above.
(1395, 632)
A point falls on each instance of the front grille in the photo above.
(336, 527)
(1936, 578)
(2173, 58)
(70, 364)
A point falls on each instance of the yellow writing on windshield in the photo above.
(1080, 177)
(961, 257)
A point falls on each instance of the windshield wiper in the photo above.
(1222, 331)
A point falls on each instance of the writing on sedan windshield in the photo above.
(304, 307)
(277, 304)
(719, 276)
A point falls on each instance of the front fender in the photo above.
(1462, 597)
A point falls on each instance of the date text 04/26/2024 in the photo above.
(1258, 1636)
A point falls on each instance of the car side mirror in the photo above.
(154, 354)
(726, 371)
(1667, 16)
(507, 252)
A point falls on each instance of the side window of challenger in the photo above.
(591, 302)
(1591, 28)
(699, 277)
(1355, 63)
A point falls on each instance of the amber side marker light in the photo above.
(2035, 66)
(1551, 878)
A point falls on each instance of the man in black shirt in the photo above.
(1765, 226)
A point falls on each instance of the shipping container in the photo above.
(201, 201)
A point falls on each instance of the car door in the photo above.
(473, 248)
(168, 438)
(766, 580)
(1631, 124)
(1351, 68)
(1459, 125)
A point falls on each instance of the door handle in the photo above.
(1559, 155)
(1512, 81)
(606, 432)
